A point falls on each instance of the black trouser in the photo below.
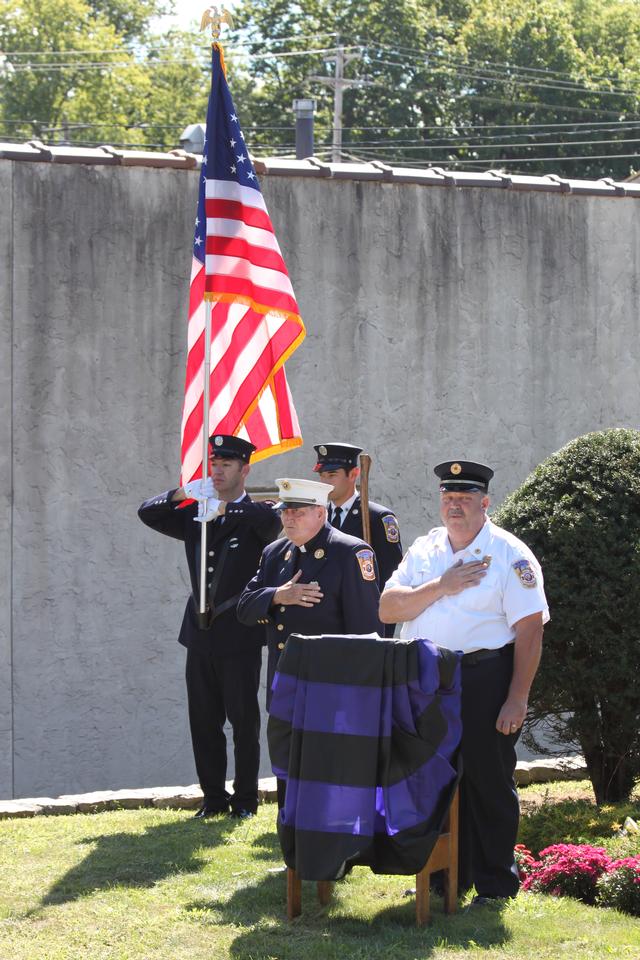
(489, 810)
(221, 688)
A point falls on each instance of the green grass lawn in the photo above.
(157, 885)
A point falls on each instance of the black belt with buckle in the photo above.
(469, 659)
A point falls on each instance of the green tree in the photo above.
(579, 511)
(451, 81)
(90, 71)
(394, 93)
(554, 62)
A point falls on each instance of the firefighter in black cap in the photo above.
(473, 587)
(223, 655)
(337, 464)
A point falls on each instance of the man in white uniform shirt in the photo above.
(473, 587)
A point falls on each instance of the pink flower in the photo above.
(566, 869)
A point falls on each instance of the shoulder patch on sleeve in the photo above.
(391, 529)
(367, 566)
(526, 573)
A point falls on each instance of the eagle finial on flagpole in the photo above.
(215, 19)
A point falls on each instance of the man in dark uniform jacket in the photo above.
(316, 581)
(223, 655)
(337, 464)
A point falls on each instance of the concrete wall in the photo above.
(471, 322)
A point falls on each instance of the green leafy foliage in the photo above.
(493, 83)
(85, 71)
(578, 821)
(457, 81)
(579, 511)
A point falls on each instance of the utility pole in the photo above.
(341, 58)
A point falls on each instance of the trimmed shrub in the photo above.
(579, 511)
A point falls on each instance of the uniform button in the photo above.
(281, 609)
(210, 569)
(281, 646)
(280, 626)
(210, 553)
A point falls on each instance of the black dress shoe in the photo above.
(480, 901)
(210, 810)
(242, 814)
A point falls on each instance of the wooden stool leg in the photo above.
(423, 897)
(325, 890)
(451, 873)
(294, 894)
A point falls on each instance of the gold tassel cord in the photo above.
(218, 46)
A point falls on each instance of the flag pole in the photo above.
(205, 453)
(211, 17)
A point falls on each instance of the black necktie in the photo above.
(335, 520)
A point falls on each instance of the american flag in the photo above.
(255, 321)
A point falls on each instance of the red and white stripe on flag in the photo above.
(255, 326)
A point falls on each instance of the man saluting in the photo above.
(223, 656)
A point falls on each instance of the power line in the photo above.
(458, 71)
(473, 68)
(505, 67)
(151, 47)
(597, 126)
(461, 72)
(282, 150)
(618, 124)
(155, 62)
(377, 154)
(558, 107)
(81, 124)
(408, 144)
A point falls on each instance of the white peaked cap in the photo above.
(303, 493)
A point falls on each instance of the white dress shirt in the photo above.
(481, 617)
(344, 507)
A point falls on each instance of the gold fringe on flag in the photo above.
(218, 46)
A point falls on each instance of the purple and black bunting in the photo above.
(366, 733)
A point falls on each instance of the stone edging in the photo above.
(541, 770)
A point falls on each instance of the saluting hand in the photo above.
(301, 594)
(462, 575)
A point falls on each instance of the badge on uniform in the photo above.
(525, 572)
(319, 553)
(391, 530)
(367, 566)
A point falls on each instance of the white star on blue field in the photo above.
(225, 156)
